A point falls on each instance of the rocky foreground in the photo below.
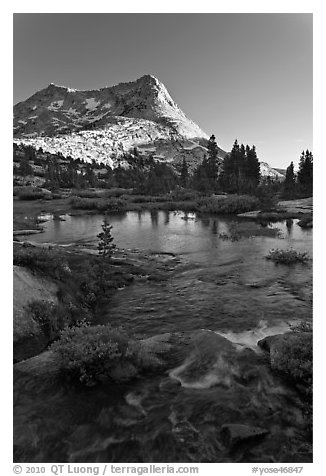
(208, 401)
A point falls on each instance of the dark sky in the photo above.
(245, 76)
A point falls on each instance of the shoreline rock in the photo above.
(27, 232)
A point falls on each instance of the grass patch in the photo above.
(229, 205)
(287, 256)
(30, 193)
(101, 205)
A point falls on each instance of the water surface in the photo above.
(223, 286)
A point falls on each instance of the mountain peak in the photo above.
(149, 78)
(54, 110)
(103, 124)
(57, 86)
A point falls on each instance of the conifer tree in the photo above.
(213, 163)
(184, 175)
(200, 178)
(230, 173)
(25, 168)
(289, 182)
(252, 169)
(105, 245)
(305, 173)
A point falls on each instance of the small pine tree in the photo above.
(105, 245)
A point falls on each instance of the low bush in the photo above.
(293, 358)
(305, 222)
(51, 317)
(268, 196)
(101, 353)
(304, 326)
(287, 256)
(100, 205)
(88, 194)
(32, 194)
(229, 205)
(150, 198)
(83, 203)
(57, 196)
(50, 263)
(181, 194)
(117, 192)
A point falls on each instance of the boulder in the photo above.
(42, 365)
(29, 337)
(291, 355)
(211, 361)
(268, 342)
(235, 434)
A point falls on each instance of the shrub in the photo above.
(305, 222)
(32, 194)
(304, 326)
(102, 353)
(50, 263)
(115, 205)
(151, 198)
(232, 204)
(57, 195)
(89, 352)
(267, 195)
(88, 194)
(117, 192)
(293, 357)
(101, 204)
(51, 317)
(83, 203)
(287, 256)
(181, 194)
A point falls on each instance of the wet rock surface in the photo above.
(200, 406)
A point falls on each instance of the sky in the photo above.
(245, 76)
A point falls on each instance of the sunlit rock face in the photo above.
(105, 123)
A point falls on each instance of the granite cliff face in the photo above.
(103, 124)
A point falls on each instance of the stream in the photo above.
(220, 298)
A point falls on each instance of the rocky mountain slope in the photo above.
(267, 171)
(103, 124)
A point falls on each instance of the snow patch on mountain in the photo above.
(54, 105)
(92, 104)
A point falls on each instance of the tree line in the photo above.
(300, 184)
(238, 172)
